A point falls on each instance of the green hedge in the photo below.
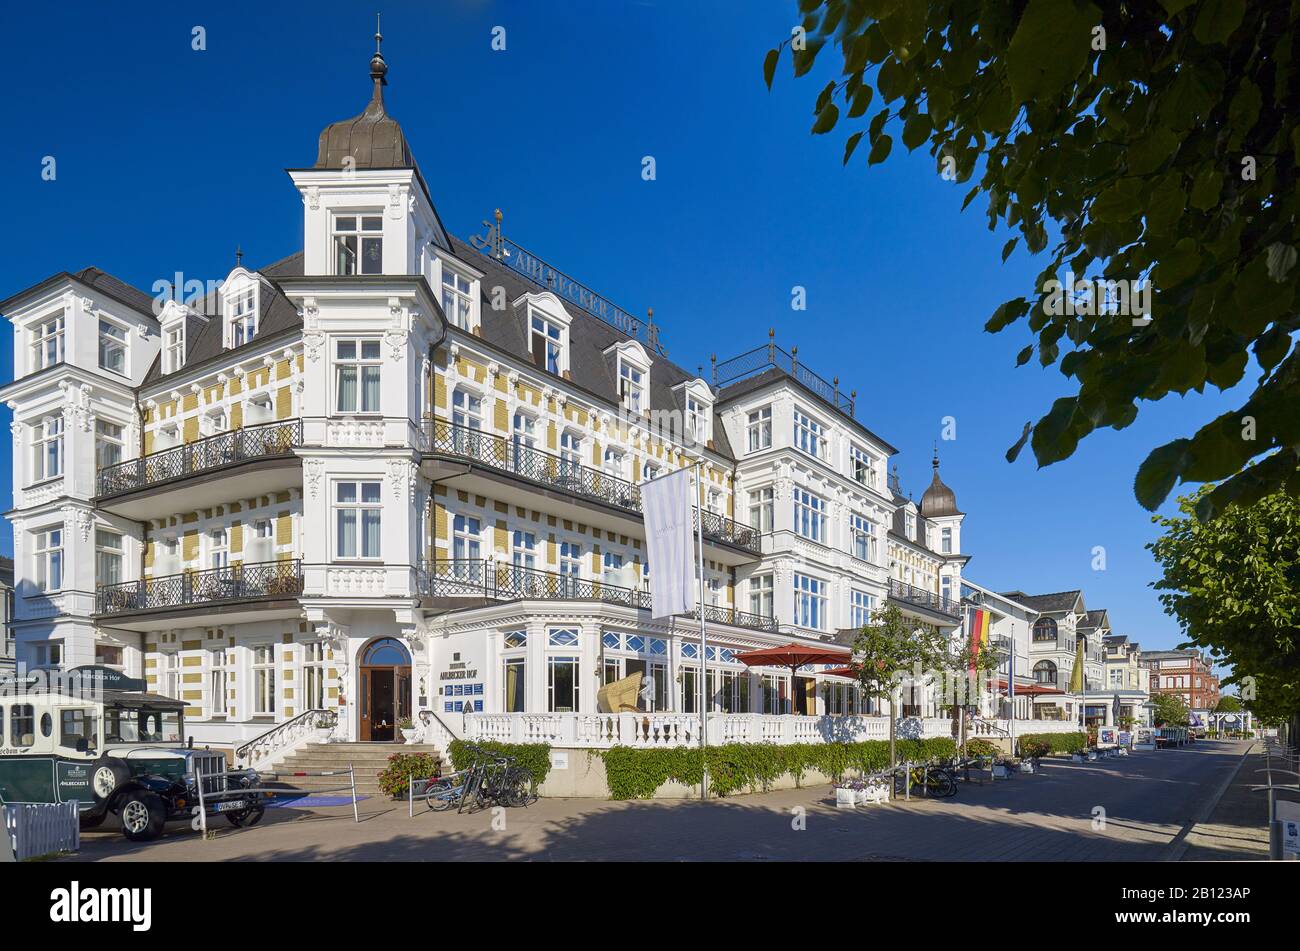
(395, 778)
(1057, 742)
(637, 773)
(536, 757)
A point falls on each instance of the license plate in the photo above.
(233, 805)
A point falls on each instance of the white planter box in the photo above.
(846, 798)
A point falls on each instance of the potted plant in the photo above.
(1031, 751)
(324, 726)
(407, 727)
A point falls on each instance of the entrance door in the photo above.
(385, 677)
(805, 692)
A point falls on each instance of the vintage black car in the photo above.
(94, 736)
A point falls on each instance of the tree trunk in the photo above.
(893, 732)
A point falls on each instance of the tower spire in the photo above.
(935, 461)
(378, 67)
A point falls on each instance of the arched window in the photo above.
(1045, 672)
(1044, 629)
(386, 652)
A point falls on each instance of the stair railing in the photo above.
(278, 740)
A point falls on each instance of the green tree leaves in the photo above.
(1157, 141)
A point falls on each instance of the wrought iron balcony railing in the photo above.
(922, 598)
(238, 582)
(507, 582)
(569, 475)
(238, 445)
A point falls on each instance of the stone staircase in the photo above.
(367, 758)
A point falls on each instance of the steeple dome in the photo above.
(938, 500)
(372, 139)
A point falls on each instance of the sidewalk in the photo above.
(1237, 827)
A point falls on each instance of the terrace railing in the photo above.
(766, 357)
(238, 582)
(237, 445)
(503, 581)
(569, 475)
(919, 597)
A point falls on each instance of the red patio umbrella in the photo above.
(794, 656)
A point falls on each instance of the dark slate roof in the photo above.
(96, 280)
(590, 366)
(938, 500)
(733, 391)
(1093, 619)
(1115, 639)
(203, 338)
(1055, 603)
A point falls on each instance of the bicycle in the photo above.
(934, 781)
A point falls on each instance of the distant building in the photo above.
(1184, 673)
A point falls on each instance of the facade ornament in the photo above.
(81, 519)
(395, 310)
(397, 475)
(315, 470)
(88, 305)
(310, 312)
(453, 350)
(313, 343)
(311, 198)
(396, 343)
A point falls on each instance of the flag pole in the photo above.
(704, 648)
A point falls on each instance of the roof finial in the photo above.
(378, 68)
(936, 457)
(239, 256)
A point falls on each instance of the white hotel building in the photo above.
(397, 475)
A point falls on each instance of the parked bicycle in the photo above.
(933, 781)
(491, 779)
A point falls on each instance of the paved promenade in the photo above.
(1139, 808)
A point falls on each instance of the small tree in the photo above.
(962, 665)
(883, 648)
(1169, 710)
(1228, 704)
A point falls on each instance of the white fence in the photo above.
(37, 830)
(649, 730)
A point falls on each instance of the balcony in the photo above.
(453, 580)
(238, 592)
(947, 610)
(203, 473)
(610, 494)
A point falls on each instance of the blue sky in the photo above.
(168, 158)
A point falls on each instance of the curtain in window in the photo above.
(370, 533)
(347, 533)
(369, 389)
(514, 686)
(347, 389)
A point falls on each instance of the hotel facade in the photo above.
(397, 476)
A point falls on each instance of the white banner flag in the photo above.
(666, 502)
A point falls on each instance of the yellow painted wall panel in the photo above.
(236, 537)
(190, 546)
(284, 529)
(283, 403)
(190, 431)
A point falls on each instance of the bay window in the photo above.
(47, 448)
(762, 510)
(108, 443)
(49, 560)
(809, 602)
(357, 510)
(47, 343)
(809, 435)
(108, 557)
(356, 376)
(112, 347)
(759, 429)
(809, 515)
(358, 244)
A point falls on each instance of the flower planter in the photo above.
(1029, 766)
(845, 798)
(409, 736)
(323, 734)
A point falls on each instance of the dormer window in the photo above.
(47, 343)
(631, 387)
(243, 317)
(174, 348)
(546, 344)
(911, 527)
(456, 300)
(112, 347)
(359, 244)
(698, 414)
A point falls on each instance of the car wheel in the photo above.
(143, 816)
(109, 774)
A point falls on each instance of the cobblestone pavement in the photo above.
(1139, 808)
(1237, 828)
